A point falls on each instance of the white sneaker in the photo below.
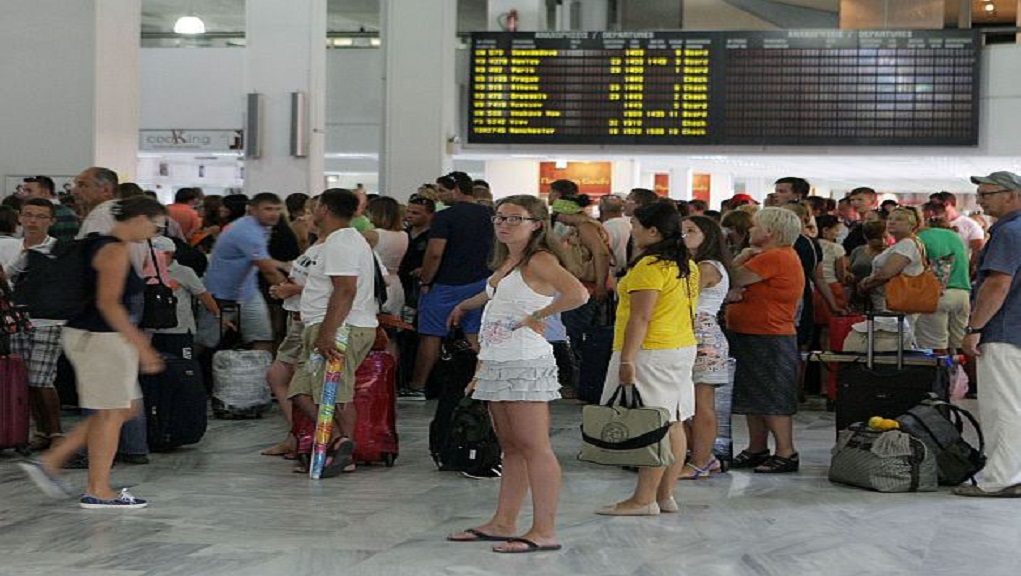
(48, 483)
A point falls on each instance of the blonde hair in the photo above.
(915, 215)
(782, 223)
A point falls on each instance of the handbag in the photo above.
(622, 433)
(159, 309)
(914, 294)
(882, 460)
(13, 318)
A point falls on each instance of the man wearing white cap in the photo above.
(993, 336)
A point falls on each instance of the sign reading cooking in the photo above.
(191, 140)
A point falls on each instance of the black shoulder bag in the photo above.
(160, 307)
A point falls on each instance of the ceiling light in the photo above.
(989, 7)
(189, 25)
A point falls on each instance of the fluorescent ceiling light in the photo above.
(189, 25)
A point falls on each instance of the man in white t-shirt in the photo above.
(338, 300)
(969, 230)
(611, 213)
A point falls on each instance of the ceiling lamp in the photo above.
(990, 7)
(189, 25)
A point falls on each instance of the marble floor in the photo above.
(221, 508)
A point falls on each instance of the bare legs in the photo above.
(782, 429)
(703, 428)
(279, 377)
(657, 484)
(45, 404)
(528, 464)
(425, 359)
(100, 432)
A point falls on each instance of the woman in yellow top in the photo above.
(654, 344)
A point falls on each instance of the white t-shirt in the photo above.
(619, 229)
(299, 275)
(101, 221)
(345, 253)
(831, 252)
(968, 230)
(10, 251)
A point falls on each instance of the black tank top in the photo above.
(90, 318)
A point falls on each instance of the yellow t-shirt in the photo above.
(670, 325)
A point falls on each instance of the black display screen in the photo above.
(793, 87)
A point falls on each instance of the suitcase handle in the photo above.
(870, 349)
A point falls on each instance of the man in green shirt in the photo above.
(943, 330)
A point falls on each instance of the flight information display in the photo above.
(792, 87)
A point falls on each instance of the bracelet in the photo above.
(537, 316)
(627, 363)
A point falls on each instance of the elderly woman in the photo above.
(769, 281)
(654, 344)
(906, 256)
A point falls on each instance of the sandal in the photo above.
(339, 458)
(748, 459)
(779, 465)
(698, 472)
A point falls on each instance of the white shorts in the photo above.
(663, 378)
(106, 367)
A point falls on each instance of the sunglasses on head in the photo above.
(421, 200)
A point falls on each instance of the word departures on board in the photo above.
(793, 87)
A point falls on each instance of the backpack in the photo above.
(940, 425)
(53, 285)
(471, 442)
(578, 258)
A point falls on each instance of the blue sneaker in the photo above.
(48, 483)
(124, 501)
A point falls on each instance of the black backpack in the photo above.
(940, 426)
(53, 285)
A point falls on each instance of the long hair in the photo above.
(541, 241)
(714, 242)
(663, 216)
(384, 212)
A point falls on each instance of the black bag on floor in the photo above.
(175, 404)
(940, 424)
(471, 443)
(454, 370)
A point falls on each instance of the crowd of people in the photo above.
(700, 298)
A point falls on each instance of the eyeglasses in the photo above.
(512, 220)
(31, 216)
(989, 193)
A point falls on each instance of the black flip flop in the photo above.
(339, 457)
(479, 536)
(530, 547)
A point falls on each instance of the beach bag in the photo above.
(882, 460)
(914, 294)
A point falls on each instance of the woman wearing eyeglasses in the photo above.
(517, 374)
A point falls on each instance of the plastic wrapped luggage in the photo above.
(239, 389)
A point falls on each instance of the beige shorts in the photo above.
(311, 383)
(106, 367)
(944, 328)
(290, 349)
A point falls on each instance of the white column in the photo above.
(531, 14)
(286, 53)
(420, 94)
(70, 92)
(593, 15)
(721, 187)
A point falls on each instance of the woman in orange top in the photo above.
(768, 282)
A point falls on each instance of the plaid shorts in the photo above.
(40, 348)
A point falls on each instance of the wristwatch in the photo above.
(970, 330)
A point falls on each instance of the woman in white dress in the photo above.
(390, 242)
(517, 374)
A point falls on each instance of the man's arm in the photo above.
(990, 298)
(341, 300)
(431, 261)
(592, 240)
(270, 270)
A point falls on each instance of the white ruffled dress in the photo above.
(517, 363)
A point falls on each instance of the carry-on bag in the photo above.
(879, 388)
(940, 425)
(625, 432)
(454, 370)
(175, 404)
(14, 424)
(840, 327)
(240, 389)
(376, 404)
(882, 460)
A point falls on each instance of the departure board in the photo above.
(792, 87)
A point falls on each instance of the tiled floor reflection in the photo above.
(221, 508)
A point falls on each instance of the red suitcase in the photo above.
(14, 424)
(840, 327)
(376, 403)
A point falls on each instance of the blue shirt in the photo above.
(1001, 254)
(232, 272)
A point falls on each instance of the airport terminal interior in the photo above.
(909, 97)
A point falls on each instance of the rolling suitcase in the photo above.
(240, 389)
(886, 386)
(376, 404)
(14, 424)
(175, 404)
(840, 327)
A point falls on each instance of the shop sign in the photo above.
(190, 140)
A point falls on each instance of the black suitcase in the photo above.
(595, 348)
(886, 385)
(175, 404)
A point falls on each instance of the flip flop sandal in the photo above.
(339, 458)
(699, 472)
(478, 536)
(529, 547)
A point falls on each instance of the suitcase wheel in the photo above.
(388, 459)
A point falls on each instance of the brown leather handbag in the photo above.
(914, 294)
